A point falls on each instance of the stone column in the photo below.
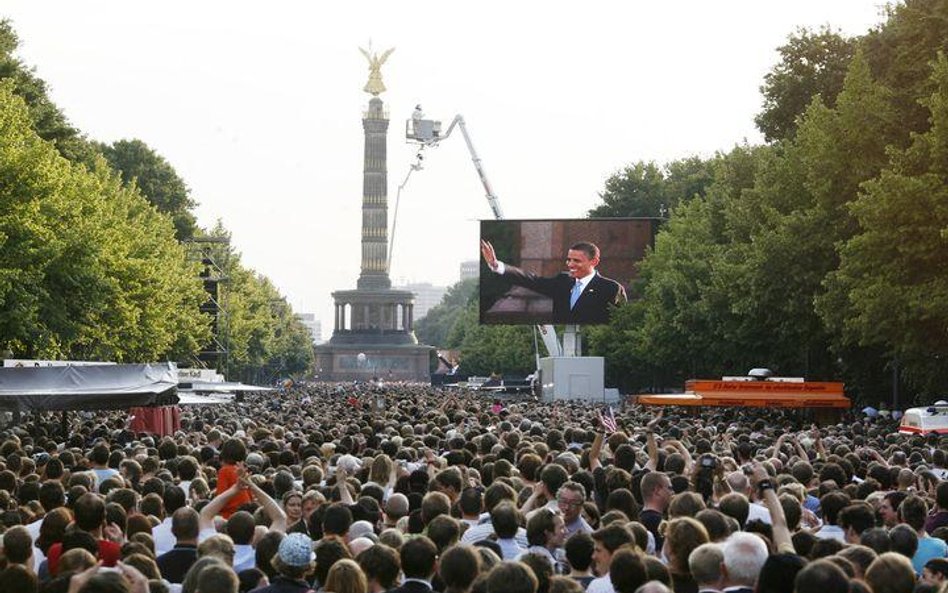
(374, 274)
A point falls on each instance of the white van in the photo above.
(929, 420)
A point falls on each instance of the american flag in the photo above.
(608, 419)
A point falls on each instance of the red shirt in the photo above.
(109, 554)
(227, 477)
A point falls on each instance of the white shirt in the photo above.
(34, 529)
(485, 530)
(243, 557)
(164, 539)
(601, 585)
(103, 474)
(585, 280)
(831, 532)
(760, 512)
(38, 558)
(510, 548)
(578, 526)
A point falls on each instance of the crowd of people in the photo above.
(408, 488)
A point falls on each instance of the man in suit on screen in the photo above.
(580, 295)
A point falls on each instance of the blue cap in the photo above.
(296, 549)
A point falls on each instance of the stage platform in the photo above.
(754, 394)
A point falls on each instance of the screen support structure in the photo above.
(427, 132)
(572, 341)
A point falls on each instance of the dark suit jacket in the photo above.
(412, 587)
(174, 563)
(593, 306)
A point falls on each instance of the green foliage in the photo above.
(685, 324)
(88, 268)
(156, 179)
(823, 254)
(263, 337)
(488, 349)
(647, 190)
(45, 117)
(891, 288)
(811, 64)
(900, 52)
(433, 329)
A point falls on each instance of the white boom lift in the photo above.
(427, 132)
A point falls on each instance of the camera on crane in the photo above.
(421, 130)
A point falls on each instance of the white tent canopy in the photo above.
(219, 387)
(116, 386)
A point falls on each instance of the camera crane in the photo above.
(427, 133)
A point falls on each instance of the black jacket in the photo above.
(412, 587)
(174, 563)
(593, 306)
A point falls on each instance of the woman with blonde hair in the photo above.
(382, 473)
(199, 490)
(682, 536)
(345, 576)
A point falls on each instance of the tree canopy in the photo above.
(88, 269)
(821, 254)
(156, 179)
(92, 267)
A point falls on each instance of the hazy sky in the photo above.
(258, 106)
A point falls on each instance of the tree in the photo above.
(679, 322)
(156, 179)
(46, 118)
(811, 64)
(645, 189)
(487, 349)
(263, 338)
(88, 269)
(435, 327)
(900, 51)
(891, 288)
(789, 224)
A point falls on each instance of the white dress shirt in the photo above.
(164, 539)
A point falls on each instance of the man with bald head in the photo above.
(174, 564)
(739, 482)
(744, 556)
(705, 562)
(396, 507)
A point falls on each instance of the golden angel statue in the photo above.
(374, 85)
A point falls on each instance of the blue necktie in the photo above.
(574, 295)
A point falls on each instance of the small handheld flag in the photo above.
(608, 419)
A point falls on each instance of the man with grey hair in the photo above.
(396, 507)
(704, 562)
(653, 587)
(569, 500)
(744, 556)
(739, 482)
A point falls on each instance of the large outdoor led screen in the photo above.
(538, 262)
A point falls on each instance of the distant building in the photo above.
(470, 269)
(426, 296)
(314, 326)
